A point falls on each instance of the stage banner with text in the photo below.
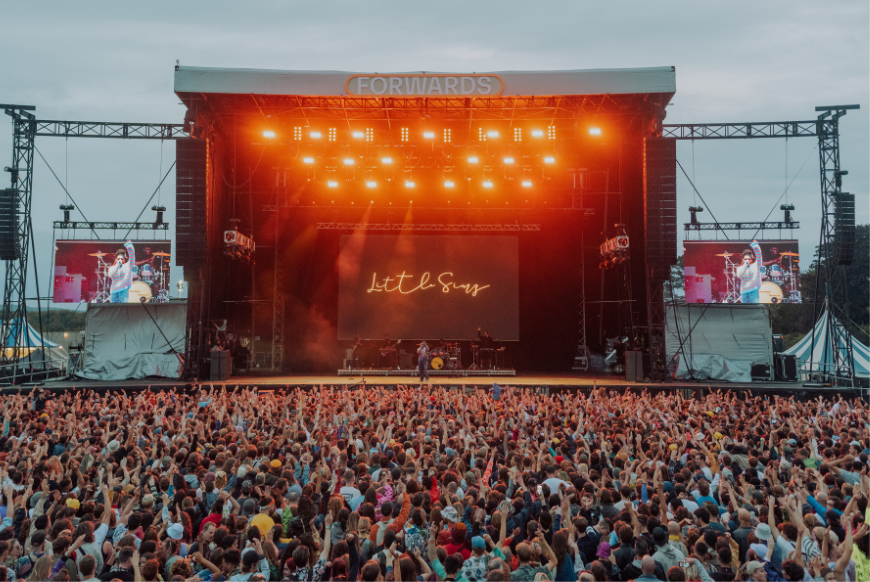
(730, 271)
(428, 287)
(82, 270)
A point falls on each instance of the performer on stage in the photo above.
(486, 348)
(750, 274)
(121, 273)
(423, 361)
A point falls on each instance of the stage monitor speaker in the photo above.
(760, 372)
(844, 229)
(406, 362)
(786, 368)
(191, 217)
(220, 365)
(10, 248)
(633, 366)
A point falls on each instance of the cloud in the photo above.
(736, 61)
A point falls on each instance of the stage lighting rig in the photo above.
(159, 210)
(66, 210)
(614, 251)
(695, 210)
(238, 245)
(787, 208)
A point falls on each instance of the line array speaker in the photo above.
(10, 247)
(191, 242)
(844, 229)
(660, 200)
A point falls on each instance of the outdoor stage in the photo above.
(541, 382)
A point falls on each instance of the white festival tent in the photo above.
(819, 355)
(34, 351)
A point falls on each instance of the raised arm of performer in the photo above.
(750, 274)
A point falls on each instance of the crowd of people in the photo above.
(427, 483)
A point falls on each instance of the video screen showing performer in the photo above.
(111, 271)
(766, 271)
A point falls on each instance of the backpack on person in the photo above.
(25, 565)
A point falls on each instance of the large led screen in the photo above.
(83, 270)
(428, 287)
(730, 271)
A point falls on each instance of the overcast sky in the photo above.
(735, 61)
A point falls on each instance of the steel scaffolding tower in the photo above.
(21, 179)
(833, 201)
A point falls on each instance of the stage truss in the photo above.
(827, 129)
(25, 129)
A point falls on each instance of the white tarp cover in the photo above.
(332, 83)
(122, 342)
(719, 341)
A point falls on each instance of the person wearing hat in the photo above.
(754, 570)
(423, 361)
(476, 566)
(749, 273)
(121, 273)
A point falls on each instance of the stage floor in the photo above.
(552, 381)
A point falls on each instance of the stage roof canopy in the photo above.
(342, 83)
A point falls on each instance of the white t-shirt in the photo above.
(349, 493)
(95, 548)
(553, 483)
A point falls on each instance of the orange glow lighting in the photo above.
(316, 135)
(332, 184)
(409, 184)
(386, 160)
(492, 133)
(487, 184)
(509, 160)
(348, 161)
(429, 134)
(549, 160)
(371, 184)
(358, 135)
(268, 133)
(537, 133)
(527, 183)
(308, 160)
(448, 184)
(594, 131)
(472, 160)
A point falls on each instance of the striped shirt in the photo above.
(122, 275)
(750, 275)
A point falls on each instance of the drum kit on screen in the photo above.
(780, 283)
(150, 280)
